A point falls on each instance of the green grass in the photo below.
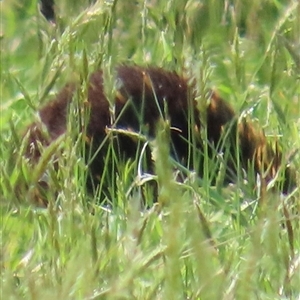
(205, 242)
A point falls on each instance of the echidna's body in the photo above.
(144, 95)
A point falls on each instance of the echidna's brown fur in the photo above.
(143, 96)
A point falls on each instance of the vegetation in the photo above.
(201, 241)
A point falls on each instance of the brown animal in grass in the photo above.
(144, 95)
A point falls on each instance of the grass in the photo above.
(205, 242)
